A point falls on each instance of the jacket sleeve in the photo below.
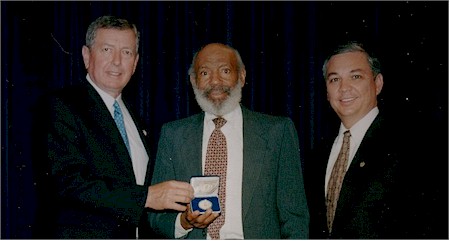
(163, 222)
(291, 198)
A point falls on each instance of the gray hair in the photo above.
(110, 22)
(354, 47)
(240, 64)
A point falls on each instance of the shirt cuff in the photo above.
(180, 232)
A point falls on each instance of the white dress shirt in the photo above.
(233, 131)
(357, 131)
(139, 156)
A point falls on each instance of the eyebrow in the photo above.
(351, 71)
(356, 70)
(332, 73)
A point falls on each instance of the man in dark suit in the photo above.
(382, 194)
(100, 177)
(264, 197)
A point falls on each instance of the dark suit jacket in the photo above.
(89, 179)
(382, 194)
(273, 198)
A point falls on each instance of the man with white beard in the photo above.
(264, 196)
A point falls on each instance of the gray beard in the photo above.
(220, 108)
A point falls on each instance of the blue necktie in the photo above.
(118, 117)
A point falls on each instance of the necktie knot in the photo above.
(346, 140)
(219, 122)
(117, 111)
(347, 135)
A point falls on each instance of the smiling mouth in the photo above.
(114, 73)
(345, 100)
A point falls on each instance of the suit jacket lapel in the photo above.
(101, 118)
(143, 134)
(192, 147)
(255, 143)
(361, 158)
(360, 167)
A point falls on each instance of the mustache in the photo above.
(222, 88)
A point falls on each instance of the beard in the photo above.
(219, 108)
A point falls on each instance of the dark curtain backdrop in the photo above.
(283, 45)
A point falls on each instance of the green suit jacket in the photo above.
(273, 198)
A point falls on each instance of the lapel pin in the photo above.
(145, 133)
(362, 164)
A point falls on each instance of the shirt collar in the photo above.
(108, 99)
(358, 130)
(229, 116)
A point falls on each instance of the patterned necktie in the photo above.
(118, 117)
(216, 164)
(336, 178)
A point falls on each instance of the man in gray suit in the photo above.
(265, 198)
